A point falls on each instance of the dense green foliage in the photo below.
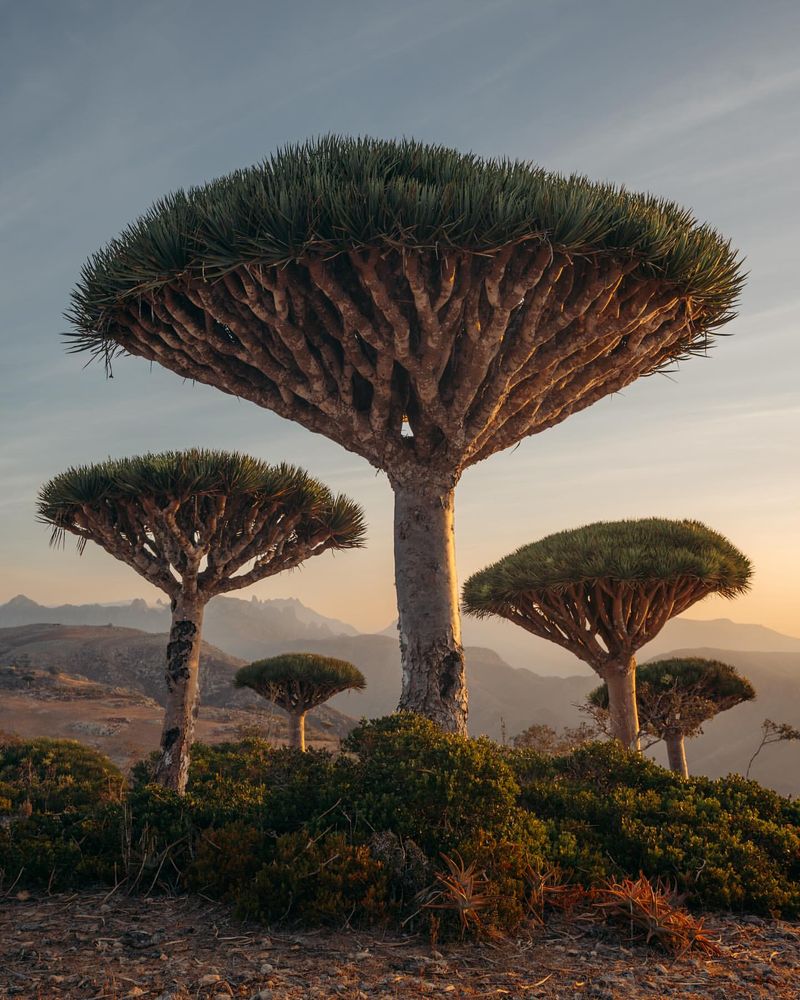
(365, 836)
(650, 549)
(60, 812)
(200, 474)
(316, 678)
(727, 843)
(336, 194)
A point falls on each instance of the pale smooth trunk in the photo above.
(297, 730)
(622, 710)
(434, 682)
(676, 754)
(183, 688)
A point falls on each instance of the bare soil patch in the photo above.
(107, 947)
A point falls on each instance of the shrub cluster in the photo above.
(727, 843)
(408, 826)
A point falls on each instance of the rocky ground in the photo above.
(108, 946)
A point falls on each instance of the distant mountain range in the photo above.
(254, 629)
(249, 629)
(502, 696)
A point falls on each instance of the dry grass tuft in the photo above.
(652, 913)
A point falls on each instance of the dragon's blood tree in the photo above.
(298, 682)
(676, 696)
(196, 524)
(604, 590)
(423, 308)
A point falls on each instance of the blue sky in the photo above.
(105, 106)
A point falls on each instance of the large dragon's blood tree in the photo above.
(196, 524)
(604, 590)
(298, 682)
(676, 696)
(423, 308)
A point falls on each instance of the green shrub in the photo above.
(322, 880)
(437, 788)
(610, 812)
(63, 813)
(366, 836)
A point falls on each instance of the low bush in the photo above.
(61, 813)
(409, 826)
(727, 843)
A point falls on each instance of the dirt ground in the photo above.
(109, 946)
(128, 727)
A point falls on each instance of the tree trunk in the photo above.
(434, 683)
(622, 710)
(676, 753)
(183, 688)
(297, 730)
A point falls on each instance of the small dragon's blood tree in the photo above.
(676, 696)
(298, 682)
(604, 590)
(196, 524)
(421, 307)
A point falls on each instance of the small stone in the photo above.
(262, 995)
(266, 968)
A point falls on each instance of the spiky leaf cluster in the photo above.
(299, 681)
(337, 194)
(681, 693)
(631, 551)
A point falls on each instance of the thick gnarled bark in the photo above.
(676, 753)
(183, 689)
(622, 709)
(434, 682)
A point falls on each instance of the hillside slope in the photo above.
(131, 659)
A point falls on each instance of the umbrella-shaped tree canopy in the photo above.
(676, 696)
(298, 682)
(422, 307)
(195, 524)
(604, 590)
(226, 519)
(412, 302)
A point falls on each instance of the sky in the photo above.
(105, 106)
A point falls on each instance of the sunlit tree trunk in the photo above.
(183, 688)
(622, 709)
(297, 730)
(434, 682)
(676, 753)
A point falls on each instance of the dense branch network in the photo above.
(604, 621)
(205, 541)
(409, 357)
